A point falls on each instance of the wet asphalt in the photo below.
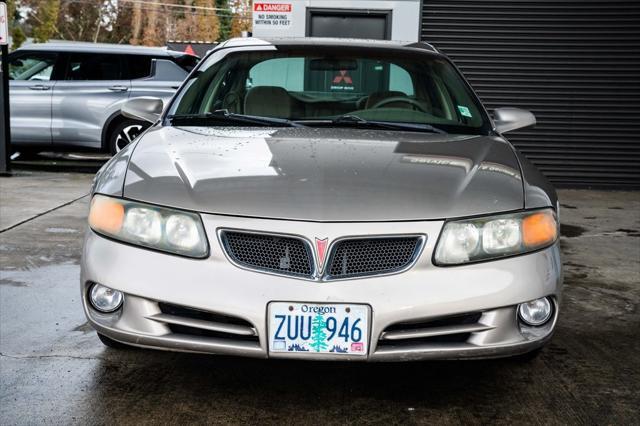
(54, 370)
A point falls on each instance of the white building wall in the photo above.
(405, 16)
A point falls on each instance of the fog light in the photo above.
(535, 312)
(105, 299)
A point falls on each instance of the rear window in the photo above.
(187, 62)
(96, 67)
(138, 66)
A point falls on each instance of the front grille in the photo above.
(271, 253)
(370, 256)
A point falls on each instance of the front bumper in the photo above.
(482, 297)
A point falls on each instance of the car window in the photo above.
(138, 66)
(315, 84)
(35, 66)
(89, 66)
(299, 74)
(321, 85)
(287, 73)
(187, 62)
(400, 80)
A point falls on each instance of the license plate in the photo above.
(310, 328)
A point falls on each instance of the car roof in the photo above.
(66, 46)
(329, 42)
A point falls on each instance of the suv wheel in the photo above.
(123, 134)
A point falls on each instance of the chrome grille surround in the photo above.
(353, 257)
(277, 254)
(240, 247)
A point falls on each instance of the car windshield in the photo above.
(334, 88)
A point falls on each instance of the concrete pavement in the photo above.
(54, 370)
(27, 194)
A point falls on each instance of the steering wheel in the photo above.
(417, 105)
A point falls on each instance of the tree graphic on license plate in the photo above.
(318, 336)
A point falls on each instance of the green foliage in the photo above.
(15, 26)
(46, 18)
(118, 21)
(11, 11)
(225, 17)
(318, 335)
(17, 37)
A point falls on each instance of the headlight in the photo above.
(493, 237)
(160, 228)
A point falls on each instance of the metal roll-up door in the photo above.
(574, 63)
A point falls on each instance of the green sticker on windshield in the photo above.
(464, 111)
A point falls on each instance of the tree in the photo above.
(318, 335)
(136, 24)
(151, 34)
(79, 21)
(241, 20)
(200, 23)
(17, 33)
(225, 17)
(208, 24)
(46, 18)
(119, 16)
(17, 37)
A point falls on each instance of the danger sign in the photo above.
(4, 30)
(271, 16)
(272, 7)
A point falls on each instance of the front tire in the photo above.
(124, 133)
(109, 342)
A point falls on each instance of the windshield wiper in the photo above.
(224, 115)
(392, 125)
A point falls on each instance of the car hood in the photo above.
(319, 174)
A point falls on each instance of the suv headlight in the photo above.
(160, 228)
(493, 237)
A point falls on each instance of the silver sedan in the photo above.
(326, 200)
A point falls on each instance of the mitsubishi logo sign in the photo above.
(342, 77)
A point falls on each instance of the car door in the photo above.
(32, 78)
(93, 88)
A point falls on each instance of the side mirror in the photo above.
(144, 108)
(508, 119)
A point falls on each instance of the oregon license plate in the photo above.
(310, 328)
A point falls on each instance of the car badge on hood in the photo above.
(321, 251)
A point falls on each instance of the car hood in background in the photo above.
(320, 174)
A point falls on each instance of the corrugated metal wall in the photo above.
(574, 63)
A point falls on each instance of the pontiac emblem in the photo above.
(321, 251)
